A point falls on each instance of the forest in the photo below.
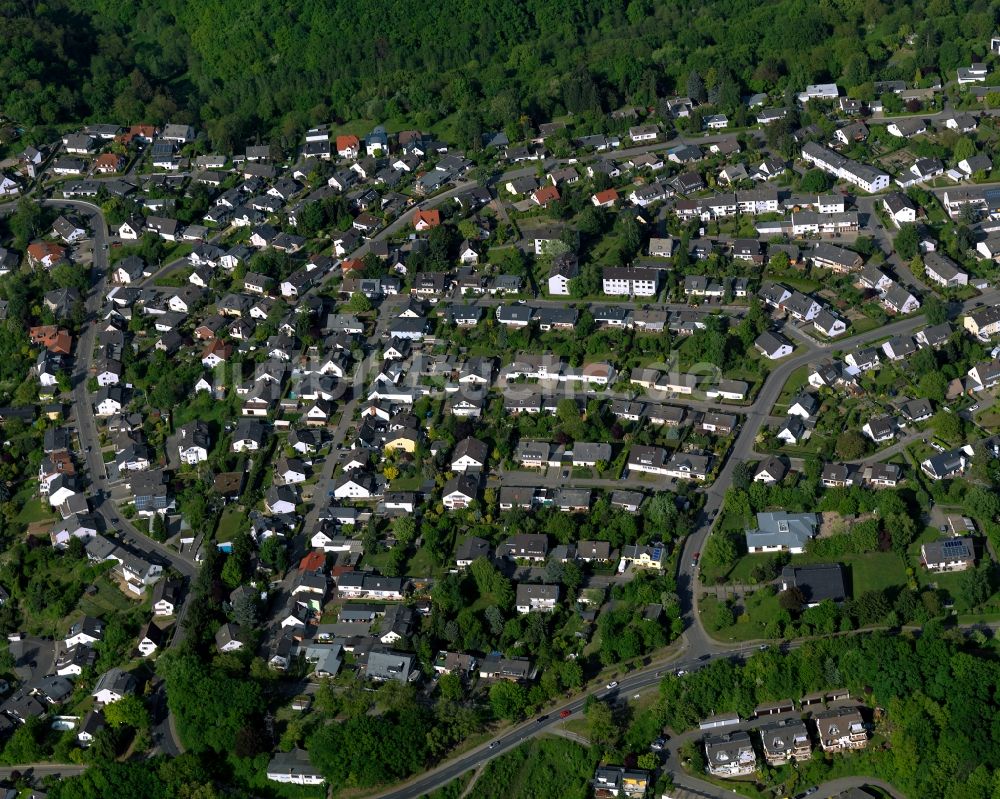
(267, 70)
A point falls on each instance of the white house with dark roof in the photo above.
(780, 531)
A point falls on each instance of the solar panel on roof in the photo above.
(953, 548)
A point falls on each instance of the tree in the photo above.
(451, 688)
(358, 303)
(933, 384)
(696, 87)
(648, 761)
(815, 181)
(129, 711)
(349, 753)
(245, 611)
(907, 242)
(851, 445)
(508, 700)
(982, 502)
(871, 607)
(404, 528)
(26, 222)
(947, 425)
(791, 600)
(935, 310)
(720, 550)
(309, 219)
(975, 586)
(722, 617)
(661, 512)
(602, 729)
(209, 706)
(964, 148)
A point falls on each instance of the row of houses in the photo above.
(786, 741)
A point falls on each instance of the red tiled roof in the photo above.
(347, 142)
(40, 250)
(430, 218)
(314, 561)
(54, 339)
(546, 194)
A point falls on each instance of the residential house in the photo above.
(112, 686)
(531, 597)
(948, 555)
(780, 531)
(841, 729)
(817, 583)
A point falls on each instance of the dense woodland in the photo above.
(270, 69)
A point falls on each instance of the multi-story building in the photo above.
(840, 729)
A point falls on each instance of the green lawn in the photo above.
(796, 380)
(231, 522)
(108, 600)
(34, 510)
(874, 571)
(761, 609)
(407, 483)
(422, 563)
(863, 325)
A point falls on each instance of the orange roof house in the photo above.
(425, 220)
(605, 199)
(143, 132)
(45, 253)
(348, 146)
(314, 561)
(217, 351)
(545, 195)
(109, 162)
(62, 462)
(351, 265)
(55, 339)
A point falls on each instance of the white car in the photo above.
(613, 684)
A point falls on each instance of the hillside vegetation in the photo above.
(244, 69)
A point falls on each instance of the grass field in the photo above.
(231, 522)
(545, 766)
(761, 609)
(35, 510)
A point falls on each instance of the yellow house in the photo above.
(402, 441)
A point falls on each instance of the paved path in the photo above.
(44, 770)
